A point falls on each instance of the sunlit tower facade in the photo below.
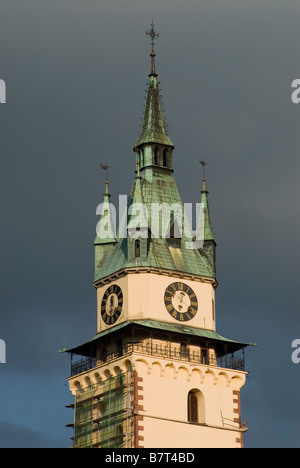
(156, 374)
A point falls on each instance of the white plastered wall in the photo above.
(143, 296)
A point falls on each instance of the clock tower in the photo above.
(156, 374)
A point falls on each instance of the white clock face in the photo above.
(181, 301)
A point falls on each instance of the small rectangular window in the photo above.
(137, 248)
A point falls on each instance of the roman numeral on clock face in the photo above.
(112, 304)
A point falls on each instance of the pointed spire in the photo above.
(153, 127)
(208, 233)
(105, 239)
(105, 227)
(152, 33)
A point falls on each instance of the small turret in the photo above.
(106, 238)
(208, 250)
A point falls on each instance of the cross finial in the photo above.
(153, 35)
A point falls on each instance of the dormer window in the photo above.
(137, 248)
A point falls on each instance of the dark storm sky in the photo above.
(76, 74)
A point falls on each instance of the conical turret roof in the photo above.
(153, 127)
(208, 232)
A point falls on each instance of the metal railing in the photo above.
(163, 351)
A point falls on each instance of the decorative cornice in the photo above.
(158, 271)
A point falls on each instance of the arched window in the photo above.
(213, 310)
(156, 156)
(196, 410)
(165, 158)
(137, 248)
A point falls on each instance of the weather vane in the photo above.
(105, 167)
(204, 164)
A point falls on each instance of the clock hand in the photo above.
(182, 296)
(187, 305)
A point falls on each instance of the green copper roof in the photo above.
(85, 348)
(153, 127)
(168, 254)
(156, 185)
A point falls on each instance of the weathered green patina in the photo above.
(208, 233)
(155, 187)
(153, 127)
(87, 349)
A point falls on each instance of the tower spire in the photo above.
(204, 164)
(153, 35)
(105, 227)
(208, 233)
(153, 126)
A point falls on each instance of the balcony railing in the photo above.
(167, 352)
(83, 365)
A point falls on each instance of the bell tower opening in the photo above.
(165, 158)
(156, 156)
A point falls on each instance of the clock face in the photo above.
(181, 302)
(111, 305)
